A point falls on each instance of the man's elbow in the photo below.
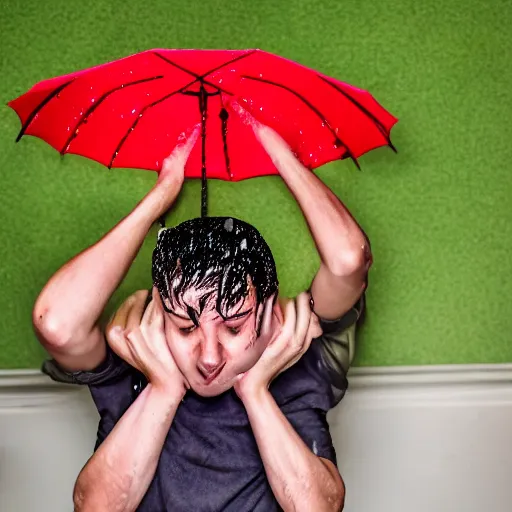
(80, 501)
(334, 496)
(339, 498)
(85, 499)
(49, 327)
(352, 261)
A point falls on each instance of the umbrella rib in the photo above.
(90, 110)
(34, 112)
(132, 127)
(201, 78)
(313, 108)
(373, 118)
(239, 57)
(169, 61)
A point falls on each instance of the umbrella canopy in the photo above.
(131, 112)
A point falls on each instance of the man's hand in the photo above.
(138, 337)
(275, 146)
(172, 175)
(285, 348)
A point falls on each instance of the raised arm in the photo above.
(67, 312)
(343, 247)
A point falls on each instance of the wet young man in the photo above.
(212, 393)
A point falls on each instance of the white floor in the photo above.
(408, 440)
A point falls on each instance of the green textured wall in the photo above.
(439, 213)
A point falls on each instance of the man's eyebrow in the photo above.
(232, 317)
(239, 315)
(179, 316)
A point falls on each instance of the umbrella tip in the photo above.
(20, 135)
(391, 145)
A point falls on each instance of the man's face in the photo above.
(211, 354)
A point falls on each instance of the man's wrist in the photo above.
(159, 199)
(170, 393)
(252, 395)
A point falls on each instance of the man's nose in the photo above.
(211, 356)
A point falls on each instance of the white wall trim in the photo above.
(362, 377)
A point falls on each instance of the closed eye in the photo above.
(187, 330)
(234, 330)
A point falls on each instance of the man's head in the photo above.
(214, 275)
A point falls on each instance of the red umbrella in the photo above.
(131, 112)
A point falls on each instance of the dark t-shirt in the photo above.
(210, 459)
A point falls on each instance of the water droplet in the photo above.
(300, 131)
(261, 109)
(243, 244)
(261, 75)
(133, 111)
(93, 100)
(228, 225)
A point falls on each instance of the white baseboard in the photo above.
(408, 439)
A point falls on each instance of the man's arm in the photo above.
(67, 312)
(343, 248)
(120, 472)
(299, 479)
(118, 475)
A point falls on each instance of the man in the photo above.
(212, 395)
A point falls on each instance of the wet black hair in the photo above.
(218, 253)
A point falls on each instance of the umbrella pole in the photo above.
(203, 106)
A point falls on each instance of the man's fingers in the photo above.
(120, 317)
(303, 317)
(156, 313)
(134, 316)
(267, 316)
(117, 341)
(315, 330)
(185, 145)
(290, 318)
(244, 115)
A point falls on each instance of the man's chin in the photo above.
(211, 390)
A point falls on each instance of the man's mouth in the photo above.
(208, 379)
